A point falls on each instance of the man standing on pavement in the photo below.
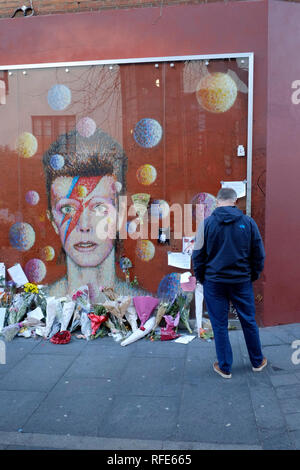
(228, 256)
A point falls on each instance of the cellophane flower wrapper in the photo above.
(67, 312)
(17, 311)
(96, 322)
(55, 328)
(98, 318)
(117, 309)
(10, 331)
(113, 330)
(162, 308)
(81, 311)
(131, 317)
(76, 318)
(139, 333)
(81, 298)
(171, 321)
(127, 311)
(39, 295)
(144, 306)
(86, 325)
(26, 332)
(53, 311)
(109, 293)
(167, 334)
(183, 302)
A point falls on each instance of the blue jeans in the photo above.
(217, 296)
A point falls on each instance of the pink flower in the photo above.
(172, 322)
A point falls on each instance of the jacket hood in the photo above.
(227, 214)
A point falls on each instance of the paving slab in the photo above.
(149, 395)
(153, 376)
(93, 365)
(143, 416)
(78, 414)
(17, 407)
(224, 415)
(36, 372)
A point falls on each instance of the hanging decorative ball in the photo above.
(21, 236)
(35, 270)
(57, 161)
(26, 145)
(147, 133)
(216, 92)
(145, 250)
(146, 174)
(32, 197)
(86, 127)
(59, 97)
(48, 253)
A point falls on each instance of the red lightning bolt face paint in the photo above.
(80, 190)
(76, 205)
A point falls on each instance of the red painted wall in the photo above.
(282, 269)
(181, 30)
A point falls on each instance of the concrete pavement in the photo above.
(149, 395)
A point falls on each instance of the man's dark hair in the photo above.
(227, 194)
(97, 155)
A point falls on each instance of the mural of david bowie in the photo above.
(81, 191)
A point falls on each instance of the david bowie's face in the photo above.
(78, 205)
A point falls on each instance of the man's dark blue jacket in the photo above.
(228, 248)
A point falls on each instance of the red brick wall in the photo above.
(46, 7)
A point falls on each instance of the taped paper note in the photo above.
(179, 260)
(18, 276)
(188, 245)
(238, 186)
(184, 339)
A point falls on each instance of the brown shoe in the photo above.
(225, 375)
(262, 365)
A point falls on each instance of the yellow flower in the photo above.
(29, 287)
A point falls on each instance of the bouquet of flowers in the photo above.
(161, 310)
(98, 320)
(81, 297)
(53, 312)
(10, 331)
(39, 296)
(81, 311)
(144, 306)
(182, 303)
(131, 317)
(18, 308)
(31, 297)
(109, 293)
(171, 315)
(117, 310)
